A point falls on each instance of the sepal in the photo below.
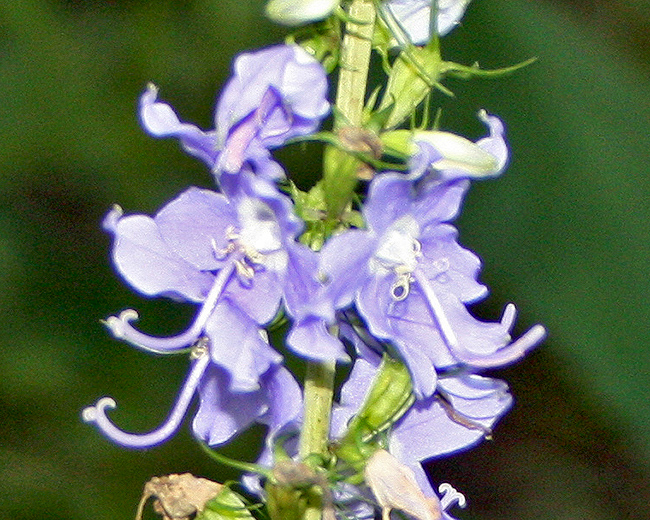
(388, 399)
(227, 505)
(414, 73)
(295, 488)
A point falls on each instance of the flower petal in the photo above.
(148, 263)
(428, 430)
(237, 345)
(196, 225)
(160, 120)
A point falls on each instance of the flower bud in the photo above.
(395, 487)
(299, 12)
(457, 153)
(387, 400)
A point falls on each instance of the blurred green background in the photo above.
(565, 234)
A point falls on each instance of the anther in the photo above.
(200, 348)
(401, 287)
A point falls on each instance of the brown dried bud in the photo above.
(178, 497)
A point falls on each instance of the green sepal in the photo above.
(227, 505)
(311, 208)
(390, 396)
(457, 70)
(376, 120)
(286, 503)
(340, 177)
(414, 73)
(398, 143)
(293, 489)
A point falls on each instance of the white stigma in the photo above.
(450, 495)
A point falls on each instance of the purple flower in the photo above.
(460, 414)
(412, 281)
(237, 257)
(232, 256)
(223, 414)
(415, 17)
(275, 94)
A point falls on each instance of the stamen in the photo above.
(245, 272)
(97, 414)
(450, 495)
(121, 327)
(232, 234)
(436, 309)
(221, 254)
(200, 348)
(459, 418)
(254, 256)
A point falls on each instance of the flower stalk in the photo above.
(340, 167)
(370, 274)
(340, 170)
(318, 396)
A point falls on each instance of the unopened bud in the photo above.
(299, 12)
(395, 487)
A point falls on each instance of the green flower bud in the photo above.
(415, 72)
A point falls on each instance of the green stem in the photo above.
(319, 390)
(355, 60)
(227, 461)
(350, 98)
(340, 168)
(339, 180)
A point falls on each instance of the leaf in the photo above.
(227, 505)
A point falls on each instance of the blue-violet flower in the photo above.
(413, 281)
(275, 94)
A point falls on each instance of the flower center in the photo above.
(399, 252)
(260, 230)
(258, 240)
